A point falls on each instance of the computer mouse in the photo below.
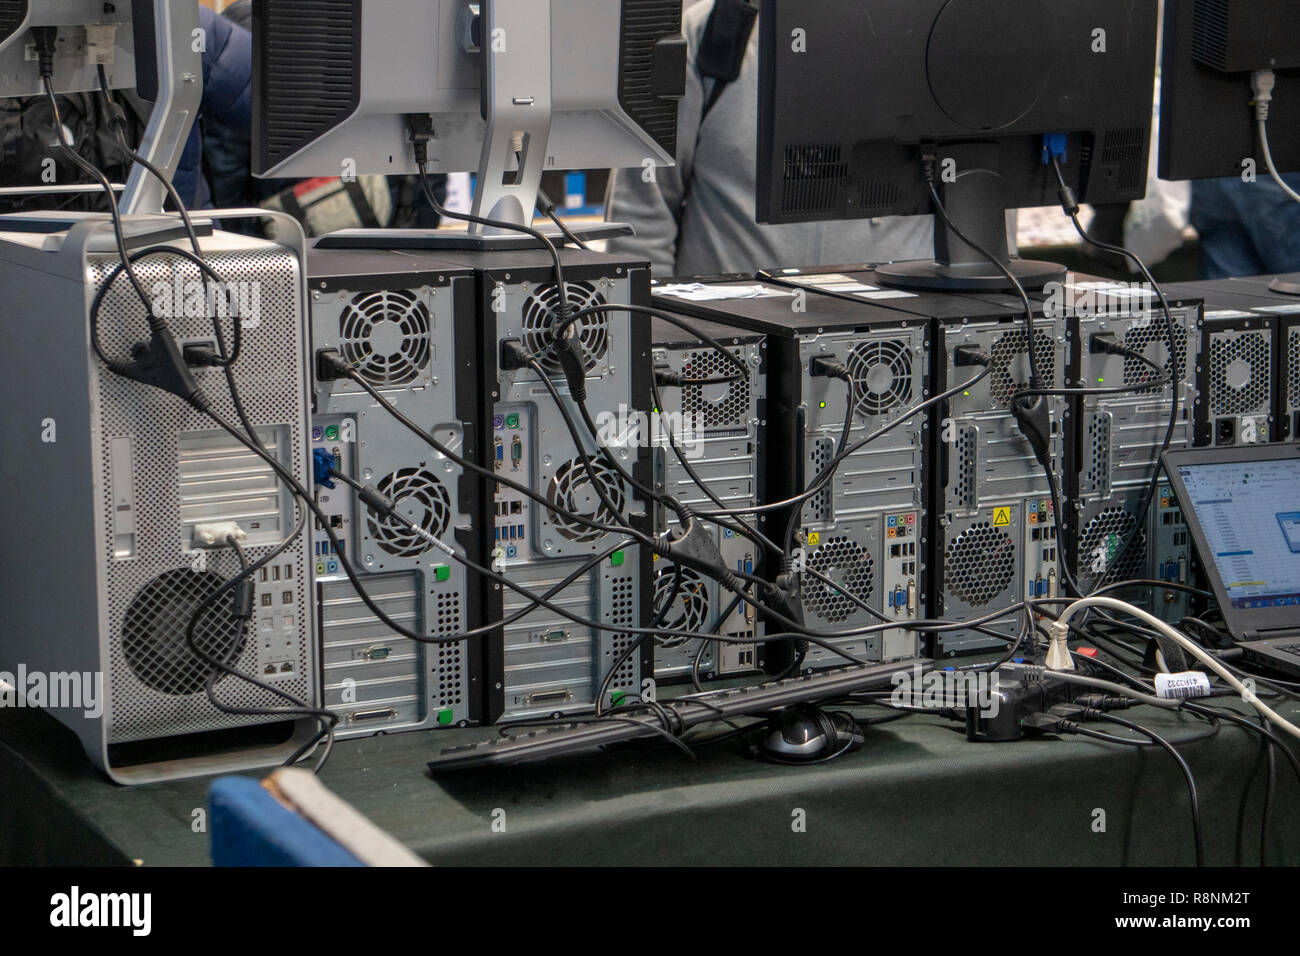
(805, 734)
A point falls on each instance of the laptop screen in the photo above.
(1249, 515)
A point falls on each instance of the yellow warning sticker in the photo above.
(1001, 517)
(814, 539)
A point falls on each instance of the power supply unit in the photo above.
(1236, 381)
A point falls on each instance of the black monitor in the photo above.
(853, 93)
(1212, 48)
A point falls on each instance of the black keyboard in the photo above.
(687, 712)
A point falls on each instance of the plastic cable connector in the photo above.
(216, 532)
(1058, 651)
(322, 465)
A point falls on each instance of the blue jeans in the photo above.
(1247, 229)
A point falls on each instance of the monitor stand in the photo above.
(1284, 287)
(975, 205)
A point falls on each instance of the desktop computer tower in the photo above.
(1268, 296)
(1114, 441)
(1236, 382)
(409, 326)
(544, 662)
(865, 530)
(716, 429)
(111, 486)
(991, 525)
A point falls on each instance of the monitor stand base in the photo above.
(930, 276)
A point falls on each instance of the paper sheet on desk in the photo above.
(698, 292)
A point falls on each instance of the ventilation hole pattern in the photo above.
(688, 612)
(845, 563)
(732, 410)
(1101, 540)
(979, 564)
(1248, 352)
(572, 490)
(1010, 348)
(422, 498)
(882, 376)
(539, 315)
(385, 336)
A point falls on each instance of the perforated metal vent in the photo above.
(1011, 363)
(622, 613)
(572, 490)
(1239, 370)
(1100, 545)
(882, 376)
(448, 666)
(1293, 367)
(689, 611)
(421, 498)
(964, 487)
(716, 405)
(539, 315)
(1152, 340)
(819, 505)
(846, 563)
(385, 336)
(979, 564)
(154, 629)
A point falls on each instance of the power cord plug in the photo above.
(966, 355)
(1262, 83)
(1033, 415)
(1058, 650)
(330, 366)
(827, 366)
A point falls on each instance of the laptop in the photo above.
(1242, 507)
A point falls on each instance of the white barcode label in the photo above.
(1182, 686)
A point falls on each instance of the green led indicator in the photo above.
(1101, 381)
(967, 394)
(616, 559)
(821, 404)
(444, 717)
(442, 572)
(656, 411)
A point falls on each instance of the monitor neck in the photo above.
(515, 44)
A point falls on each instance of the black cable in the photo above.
(1192, 796)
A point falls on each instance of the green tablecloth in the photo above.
(917, 793)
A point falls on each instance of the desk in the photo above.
(917, 793)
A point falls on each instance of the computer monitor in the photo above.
(514, 88)
(148, 45)
(91, 32)
(1212, 48)
(854, 92)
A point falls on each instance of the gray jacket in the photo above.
(713, 231)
